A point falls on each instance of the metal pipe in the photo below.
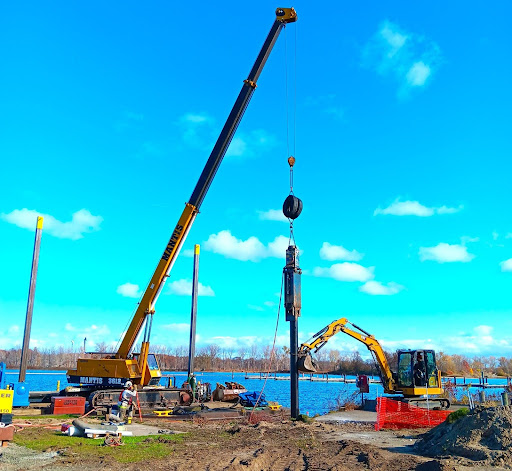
(193, 313)
(30, 304)
(294, 372)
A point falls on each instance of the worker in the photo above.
(125, 402)
(419, 371)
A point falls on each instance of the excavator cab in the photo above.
(417, 372)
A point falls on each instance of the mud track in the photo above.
(265, 446)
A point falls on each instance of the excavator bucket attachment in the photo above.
(306, 364)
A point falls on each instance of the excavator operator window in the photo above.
(405, 369)
(431, 369)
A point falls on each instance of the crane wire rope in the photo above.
(272, 351)
(291, 157)
(291, 236)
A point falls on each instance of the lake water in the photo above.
(315, 397)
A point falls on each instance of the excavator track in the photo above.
(148, 398)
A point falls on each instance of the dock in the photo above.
(319, 377)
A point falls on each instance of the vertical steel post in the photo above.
(193, 313)
(30, 304)
(293, 304)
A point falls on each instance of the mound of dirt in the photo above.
(483, 436)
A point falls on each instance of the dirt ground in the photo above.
(279, 446)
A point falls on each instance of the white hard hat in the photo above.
(128, 384)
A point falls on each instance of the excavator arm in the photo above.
(307, 365)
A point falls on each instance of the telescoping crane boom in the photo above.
(140, 368)
(416, 378)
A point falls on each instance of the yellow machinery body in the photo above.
(403, 382)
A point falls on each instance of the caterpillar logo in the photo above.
(172, 242)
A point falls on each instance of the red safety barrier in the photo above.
(398, 415)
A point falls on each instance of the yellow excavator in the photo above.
(98, 378)
(416, 379)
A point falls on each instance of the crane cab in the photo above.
(153, 369)
(417, 373)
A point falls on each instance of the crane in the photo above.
(416, 378)
(142, 368)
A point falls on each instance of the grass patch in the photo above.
(135, 449)
(304, 418)
(456, 415)
(33, 418)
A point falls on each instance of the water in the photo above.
(315, 397)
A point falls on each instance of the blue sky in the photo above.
(402, 140)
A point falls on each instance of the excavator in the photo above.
(101, 378)
(416, 379)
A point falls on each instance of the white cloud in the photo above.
(448, 210)
(376, 288)
(418, 74)
(277, 248)
(196, 129)
(506, 265)
(237, 148)
(467, 239)
(345, 272)
(252, 249)
(250, 144)
(273, 215)
(414, 208)
(338, 252)
(483, 330)
(94, 333)
(446, 253)
(195, 118)
(235, 343)
(14, 329)
(129, 290)
(228, 245)
(184, 288)
(394, 39)
(181, 328)
(255, 308)
(408, 58)
(199, 131)
(81, 222)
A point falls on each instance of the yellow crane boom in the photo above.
(112, 371)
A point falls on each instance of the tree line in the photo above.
(258, 359)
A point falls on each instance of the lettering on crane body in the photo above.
(172, 242)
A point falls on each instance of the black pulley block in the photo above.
(292, 207)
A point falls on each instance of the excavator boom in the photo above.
(306, 364)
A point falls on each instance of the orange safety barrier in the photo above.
(398, 415)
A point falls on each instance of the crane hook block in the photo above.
(292, 207)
